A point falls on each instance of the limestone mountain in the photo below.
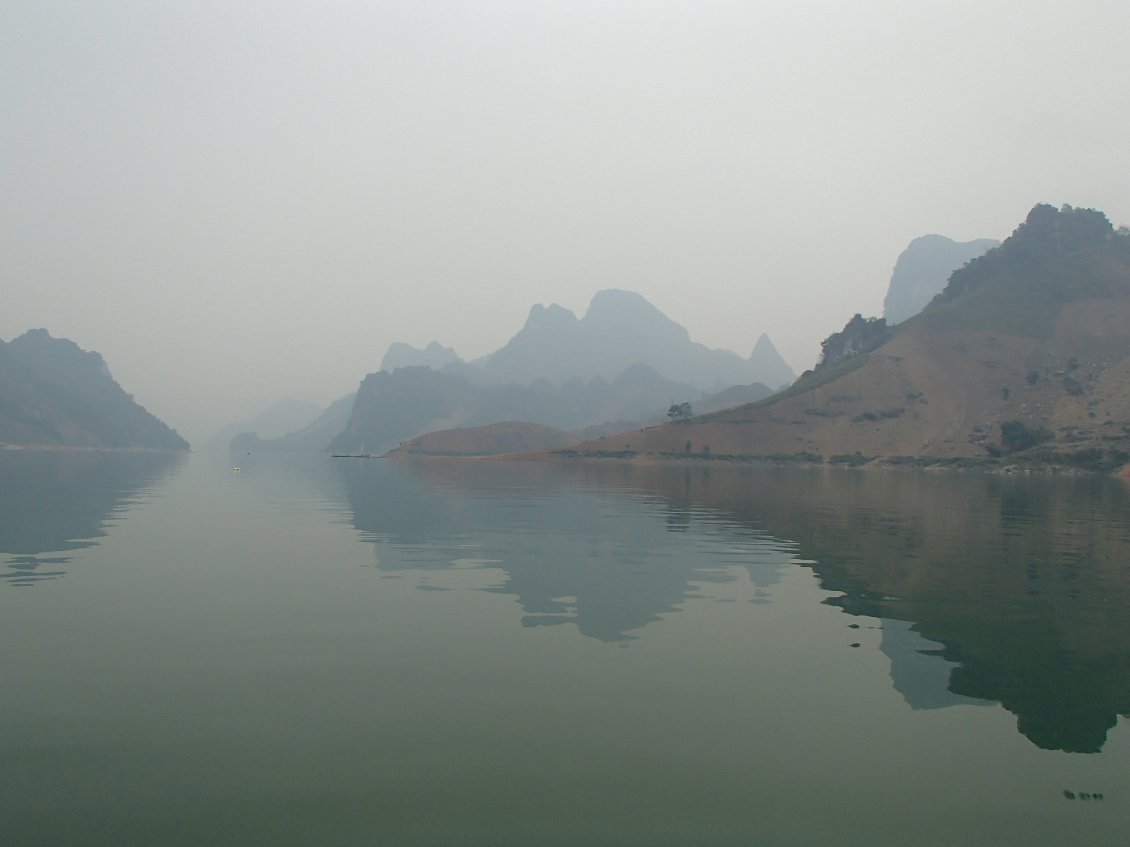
(620, 329)
(1028, 347)
(922, 271)
(54, 394)
(623, 361)
(766, 362)
(434, 356)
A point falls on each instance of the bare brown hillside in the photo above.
(1036, 333)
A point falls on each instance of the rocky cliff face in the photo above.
(860, 335)
(53, 394)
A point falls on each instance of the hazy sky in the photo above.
(236, 201)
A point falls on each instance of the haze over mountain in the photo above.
(620, 329)
(394, 407)
(922, 271)
(1027, 345)
(54, 394)
(524, 437)
(401, 355)
(312, 438)
(557, 372)
(286, 416)
(623, 361)
(234, 206)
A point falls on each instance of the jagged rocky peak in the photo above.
(860, 335)
(923, 269)
(619, 329)
(434, 356)
(763, 345)
(552, 315)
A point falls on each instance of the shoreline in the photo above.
(930, 464)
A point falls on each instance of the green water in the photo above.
(351, 652)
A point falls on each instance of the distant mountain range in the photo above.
(434, 356)
(394, 407)
(558, 372)
(54, 394)
(922, 271)
(311, 438)
(623, 361)
(620, 329)
(284, 417)
(1026, 352)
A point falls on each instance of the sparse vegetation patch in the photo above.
(886, 414)
(1073, 386)
(1017, 436)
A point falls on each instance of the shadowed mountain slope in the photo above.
(409, 402)
(54, 394)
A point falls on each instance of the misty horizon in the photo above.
(234, 206)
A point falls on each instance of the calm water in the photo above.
(327, 652)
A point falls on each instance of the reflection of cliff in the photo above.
(918, 671)
(1023, 581)
(616, 562)
(53, 502)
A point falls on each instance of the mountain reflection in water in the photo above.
(53, 502)
(607, 576)
(991, 588)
